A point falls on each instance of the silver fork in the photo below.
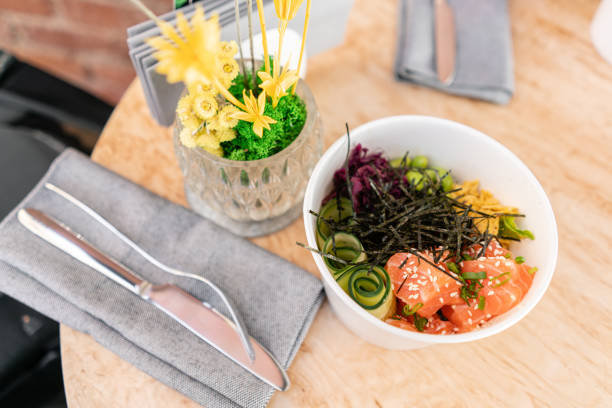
(240, 327)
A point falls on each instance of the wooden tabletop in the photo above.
(559, 123)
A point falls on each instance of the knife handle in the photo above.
(75, 245)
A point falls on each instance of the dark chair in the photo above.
(39, 116)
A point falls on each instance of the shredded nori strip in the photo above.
(391, 214)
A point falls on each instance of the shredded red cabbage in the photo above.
(365, 169)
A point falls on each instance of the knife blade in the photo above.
(207, 324)
(446, 49)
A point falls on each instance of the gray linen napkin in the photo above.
(483, 67)
(278, 300)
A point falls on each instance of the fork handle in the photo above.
(75, 245)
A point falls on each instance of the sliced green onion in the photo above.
(474, 275)
(481, 302)
(533, 270)
(519, 260)
(466, 257)
(410, 311)
(507, 255)
(502, 283)
(500, 275)
(453, 267)
(420, 322)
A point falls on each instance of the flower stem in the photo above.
(306, 20)
(228, 95)
(250, 14)
(243, 68)
(140, 5)
(264, 39)
(281, 34)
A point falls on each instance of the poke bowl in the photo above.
(470, 155)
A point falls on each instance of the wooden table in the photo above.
(559, 123)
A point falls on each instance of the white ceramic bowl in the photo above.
(470, 155)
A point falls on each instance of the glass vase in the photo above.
(257, 197)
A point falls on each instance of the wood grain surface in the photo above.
(559, 123)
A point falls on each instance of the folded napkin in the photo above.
(483, 66)
(278, 300)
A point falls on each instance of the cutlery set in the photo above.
(229, 337)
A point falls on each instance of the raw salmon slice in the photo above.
(416, 281)
(493, 249)
(506, 284)
(434, 325)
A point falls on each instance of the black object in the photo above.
(30, 370)
(28, 90)
(39, 116)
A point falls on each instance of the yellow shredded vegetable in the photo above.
(483, 201)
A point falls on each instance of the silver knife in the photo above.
(209, 325)
(446, 48)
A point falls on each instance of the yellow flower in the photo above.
(287, 9)
(228, 69)
(228, 49)
(225, 135)
(204, 106)
(255, 112)
(185, 113)
(200, 88)
(191, 54)
(187, 138)
(224, 117)
(210, 143)
(276, 85)
(207, 141)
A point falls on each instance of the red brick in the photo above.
(7, 33)
(120, 73)
(98, 14)
(109, 92)
(157, 6)
(70, 38)
(44, 7)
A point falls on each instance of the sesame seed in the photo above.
(496, 264)
(470, 321)
(490, 293)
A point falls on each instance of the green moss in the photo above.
(290, 116)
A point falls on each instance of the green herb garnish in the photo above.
(507, 255)
(519, 260)
(508, 229)
(420, 322)
(481, 302)
(453, 267)
(474, 275)
(533, 270)
(466, 257)
(410, 311)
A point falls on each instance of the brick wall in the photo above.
(82, 41)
